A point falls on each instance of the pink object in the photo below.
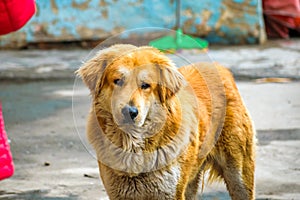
(6, 161)
(14, 14)
(280, 16)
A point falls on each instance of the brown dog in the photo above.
(156, 128)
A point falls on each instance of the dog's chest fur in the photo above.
(160, 184)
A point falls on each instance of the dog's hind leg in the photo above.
(233, 178)
(249, 164)
(237, 170)
(192, 188)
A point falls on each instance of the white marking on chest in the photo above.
(170, 180)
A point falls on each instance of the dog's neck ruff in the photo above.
(127, 152)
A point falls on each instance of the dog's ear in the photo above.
(170, 81)
(91, 71)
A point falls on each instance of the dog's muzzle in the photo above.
(129, 113)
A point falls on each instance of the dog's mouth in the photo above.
(130, 116)
(146, 127)
(127, 123)
(144, 120)
(131, 127)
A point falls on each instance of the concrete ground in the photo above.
(54, 162)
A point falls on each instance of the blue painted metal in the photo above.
(218, 21)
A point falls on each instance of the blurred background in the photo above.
(219, 21)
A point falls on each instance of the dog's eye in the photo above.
(145, 86)
(119, 82)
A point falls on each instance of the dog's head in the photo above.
(134, 84)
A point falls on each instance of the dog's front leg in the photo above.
(181, 188)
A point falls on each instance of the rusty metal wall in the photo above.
(218, 21)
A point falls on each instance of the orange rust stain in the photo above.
(54, 7)
(104, 14)
(81, 6)
(86, 33)
(203, 28)
(102, 3)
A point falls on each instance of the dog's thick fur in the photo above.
(190, 120)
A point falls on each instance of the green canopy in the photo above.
(179, 41)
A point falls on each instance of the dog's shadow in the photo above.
(214, 196)
(33, 195)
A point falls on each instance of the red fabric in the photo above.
(6, 162)
(280, 16)
(14, 14)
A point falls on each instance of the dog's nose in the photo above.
(130, 111)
